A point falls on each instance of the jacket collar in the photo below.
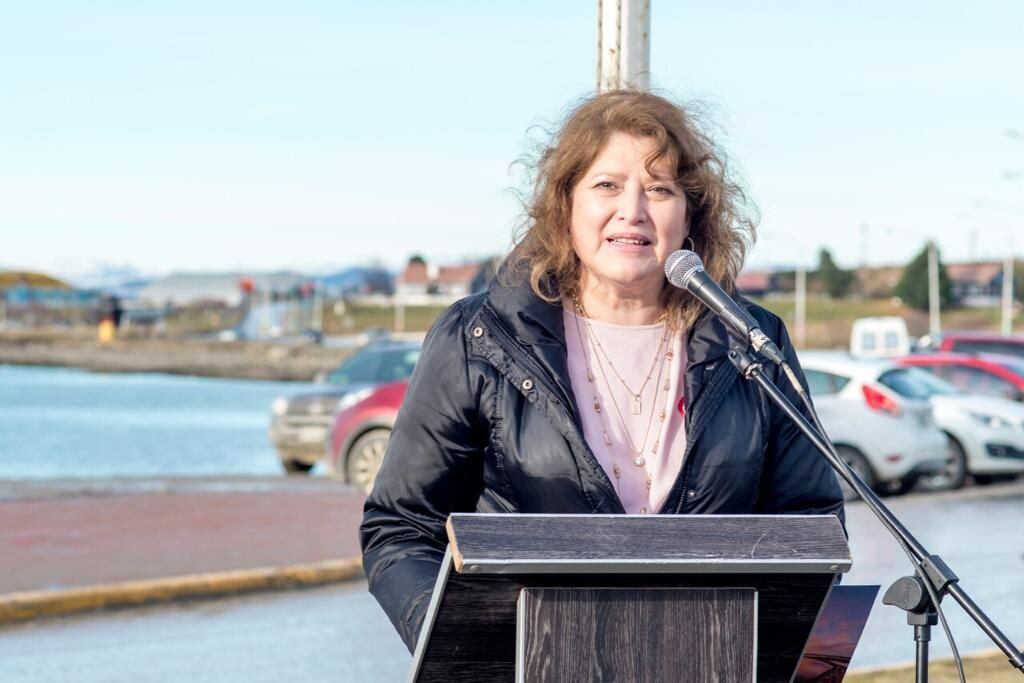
(540, 324)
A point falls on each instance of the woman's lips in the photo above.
(628, 243)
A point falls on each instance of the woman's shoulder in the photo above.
(454, 320)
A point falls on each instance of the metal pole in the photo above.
(317, 323)
(934, 326)
(623, 44)
(801, 307)
(1008, 295)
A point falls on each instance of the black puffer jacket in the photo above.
(490, 424)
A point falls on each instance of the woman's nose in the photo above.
(632, 208)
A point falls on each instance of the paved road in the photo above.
(978, 532)
(327, 634)
(339, 634)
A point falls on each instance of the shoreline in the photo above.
(199, 358)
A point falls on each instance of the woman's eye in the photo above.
(661, 189)
(605, 185)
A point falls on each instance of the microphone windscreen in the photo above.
(680, 267)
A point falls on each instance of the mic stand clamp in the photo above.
(909, 594)
(922, 614)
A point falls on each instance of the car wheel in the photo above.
(901, 486)
(859, 464)
(953, 473)
(296, 466)
(365, 457)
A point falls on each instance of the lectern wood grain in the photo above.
(791, 562)
(473, 636)
(641, 635)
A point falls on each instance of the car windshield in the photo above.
(376, 365)
(1008, 348)
(916, 384)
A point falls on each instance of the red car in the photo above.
(359, 435)
(985, 374)
(981, 342)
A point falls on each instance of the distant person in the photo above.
(580, 381)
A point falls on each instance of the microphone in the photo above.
(685, 270)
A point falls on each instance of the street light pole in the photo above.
(801, 307)
(1008, 295)
(934, 325)
(623, 44)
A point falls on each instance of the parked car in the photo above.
(879, 337)
(986, 434)
(300, 424)
(986, 374)
(359, 435)
(889, 439)
(980, 342)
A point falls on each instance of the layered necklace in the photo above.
(664, 354)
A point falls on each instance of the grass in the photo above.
(988, 667)
(828, 321)
(351, 319)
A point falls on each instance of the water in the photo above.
(60, 422)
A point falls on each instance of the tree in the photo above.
(913, 284)
(834, 279)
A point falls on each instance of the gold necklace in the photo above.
(639, 460)
(637, 407)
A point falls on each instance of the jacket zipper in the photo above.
(510, 343)
(678, 491)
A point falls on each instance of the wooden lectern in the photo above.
(635, 598)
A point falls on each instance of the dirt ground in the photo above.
(242, 360)
(989, 667)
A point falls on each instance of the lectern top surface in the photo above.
(493, 543)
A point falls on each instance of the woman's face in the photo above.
(626, 220)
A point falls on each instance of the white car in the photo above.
(986, 433)
(889, 439)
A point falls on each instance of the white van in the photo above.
(881, 337)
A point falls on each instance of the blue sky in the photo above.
(313, 135)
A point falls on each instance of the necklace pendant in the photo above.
(639, 460)
(597, 407)
(637, 405)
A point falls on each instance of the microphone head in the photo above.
(682, 265)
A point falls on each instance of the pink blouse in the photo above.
(627, 353)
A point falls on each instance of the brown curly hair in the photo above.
(721, 221)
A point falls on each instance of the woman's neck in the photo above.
(612, 305)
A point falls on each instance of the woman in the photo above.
(582, 382)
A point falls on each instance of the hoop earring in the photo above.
(693, 247)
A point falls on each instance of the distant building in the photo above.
(976, 284)
(456, 281)
(756, 282)
(415, 279)
(25, 290)
(420, 282)
(35, 298)
(183, 289)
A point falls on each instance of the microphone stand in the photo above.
(911, 593)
